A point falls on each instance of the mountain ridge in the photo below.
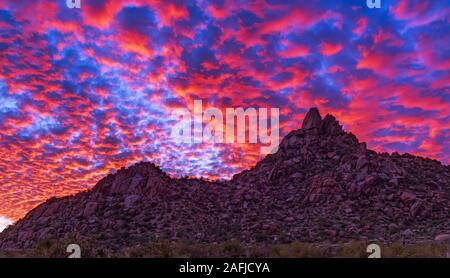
(322, 185)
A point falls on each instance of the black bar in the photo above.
(236, 267)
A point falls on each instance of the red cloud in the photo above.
(329, 49)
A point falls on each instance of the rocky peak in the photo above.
(142, 177)
(331, 126)
(312, 119)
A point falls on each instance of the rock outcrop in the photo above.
(322, 185)
(312, 119)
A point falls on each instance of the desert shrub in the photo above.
(298, 250)
(356, 249)
(233, 249)
(420, 250)
(90, 247)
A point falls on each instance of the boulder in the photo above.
(442, 237)
(312, 119)
(130, 201)
(90, 209)
(407, 197)
(361, 162)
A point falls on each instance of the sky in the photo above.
(4, 223)
(86, 91)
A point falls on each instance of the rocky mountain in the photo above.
(322, 185)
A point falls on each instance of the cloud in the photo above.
(4, 222)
